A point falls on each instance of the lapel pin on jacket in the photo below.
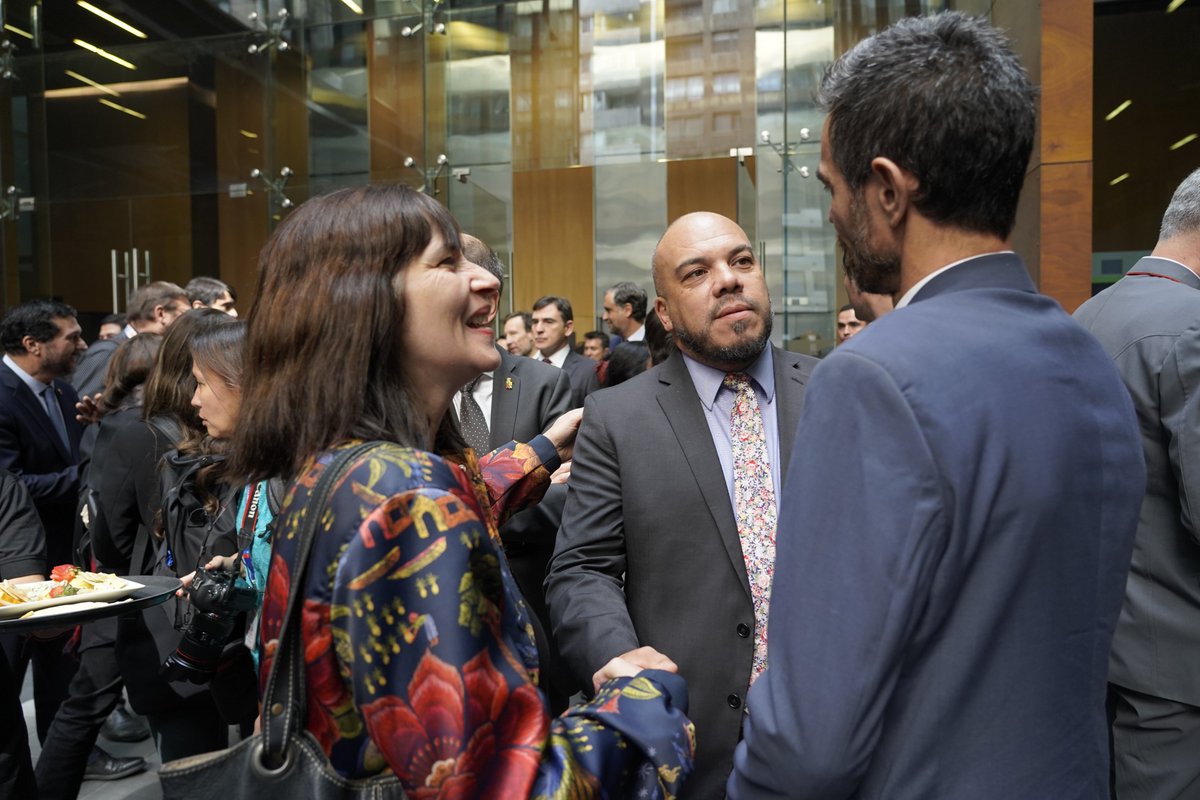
(508, 384)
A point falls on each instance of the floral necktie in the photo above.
(754, 505)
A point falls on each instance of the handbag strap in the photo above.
(284, 701)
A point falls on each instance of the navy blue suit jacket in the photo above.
(31, 449)
(953, 542)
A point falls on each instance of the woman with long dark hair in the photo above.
(419, 656)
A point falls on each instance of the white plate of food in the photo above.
(72, 586)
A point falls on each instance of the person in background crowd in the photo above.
(407, 319)
(553, 326)
(595, 346)
(1149, 323)
(22, 560)
(151, 309)
(111, 326)
(518, 333)
(625, 311)
(959, 512)
(629, 359)
(206, 292)
(39, 443)
(847, 323)
(69, 755)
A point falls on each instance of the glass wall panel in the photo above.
(631, 215)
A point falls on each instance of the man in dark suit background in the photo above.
(1149, 322)
(39, 443)
(553, 324)
(960, 507)
(520, 399)
(151, 309)
(653, 562)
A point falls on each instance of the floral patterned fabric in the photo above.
(754, 505)
(420, 658)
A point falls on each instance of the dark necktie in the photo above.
(546, 360)
(50, 402)
(753, 505)
(470, 417)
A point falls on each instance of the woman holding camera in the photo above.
(419, 656)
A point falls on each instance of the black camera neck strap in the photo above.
(284, 702)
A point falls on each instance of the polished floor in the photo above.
(138, 787)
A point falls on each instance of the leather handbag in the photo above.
(282, 760)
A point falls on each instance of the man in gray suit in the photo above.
(520, 399)
(151, 309)
(650, 563)
(1149, 322)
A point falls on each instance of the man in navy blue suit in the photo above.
(39, 443)
(959, 512)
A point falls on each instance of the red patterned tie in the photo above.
(753, 504)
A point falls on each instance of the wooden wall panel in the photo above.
(1054, 223)
(553, 235)
(702, 184)
(1066, 240)
(396, 101)
(242, 222)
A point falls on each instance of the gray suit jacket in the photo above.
(648, 552)
(582, 372)
(92, 368)
(1151, 328)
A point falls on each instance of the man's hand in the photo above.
(562, 474)
(632, 663)
(88, 409)
(561, 433)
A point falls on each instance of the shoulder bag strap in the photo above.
(284, 702)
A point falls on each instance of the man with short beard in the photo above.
(665, 553)
(959, 511)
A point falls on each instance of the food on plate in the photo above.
(66, 580)
(10, 594)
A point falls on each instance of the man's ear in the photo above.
(32, 345)
(892, 189)
(660, 308)
(569, 328)
(197, 304)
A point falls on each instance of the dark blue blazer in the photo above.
(953, 543)
(31, 449)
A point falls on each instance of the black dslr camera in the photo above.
(217, 601)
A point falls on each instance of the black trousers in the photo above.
(94, 692)
(52, 672)
(1156, 746)
(16, 769)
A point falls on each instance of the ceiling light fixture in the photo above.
(1112, 114)
(248, 134)
(1191, 137)
(103, 53)
(122, 108)
(1174, 4)
(1113, 182)
(107, 17)
(18, 31)
(90, 82)
(353, 6)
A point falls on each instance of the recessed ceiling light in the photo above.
(1191, 137)
(104, 53)
(1118, 179)
(1112, 114)
(122, 108)
(107, 17)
